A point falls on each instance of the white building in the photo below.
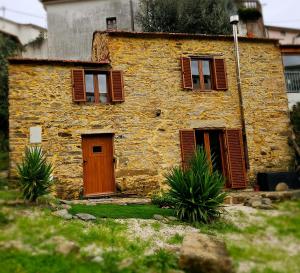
(71, 24)
(32, 37)
(286, 36)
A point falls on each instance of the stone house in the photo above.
(144, 103)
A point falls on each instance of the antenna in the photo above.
(3, 11)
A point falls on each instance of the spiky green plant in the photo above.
(35, 174)
(197, 190)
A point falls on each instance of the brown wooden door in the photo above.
(98, 165)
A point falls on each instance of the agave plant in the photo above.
(197, 190)
(35, 174)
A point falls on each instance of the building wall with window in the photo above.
(71, 24)
(291, 63)
(154, 118)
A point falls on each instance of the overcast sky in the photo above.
(276, 12)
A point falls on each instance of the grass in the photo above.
(23, 262)
(219, 226)
(3, 161)
(38, 227)
(251, 243)
(122, 212)
(267, 246)
(176, 239)
(9, 195)
(17, 261)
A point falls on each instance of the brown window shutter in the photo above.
(186, 73)
(188, 146)
(117, 86)
(220, 74)
(78, 82)
(236, 159)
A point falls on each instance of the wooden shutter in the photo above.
(117, 86)
(78, 81)
(236, 159)
(186, 73)
(220, 74)
(188, 146)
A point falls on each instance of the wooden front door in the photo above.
(98, 165)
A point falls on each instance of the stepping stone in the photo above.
(63, 213)
(158, 217)
(86, 216)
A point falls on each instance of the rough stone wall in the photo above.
(147, 145)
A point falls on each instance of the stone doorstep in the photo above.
(115, 201)
(239, 197)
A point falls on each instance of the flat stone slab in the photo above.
(63, 213)
(204, 253)
(85, 216)
(105, 201)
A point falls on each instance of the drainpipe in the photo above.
(131, 14)
(234, 20)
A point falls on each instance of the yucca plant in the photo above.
(197, 190)
(35, 174)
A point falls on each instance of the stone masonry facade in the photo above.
(146, 145)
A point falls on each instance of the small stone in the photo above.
(282, 187)
(172, 218)
(63, 214)
(158, 217)
(266, 207)
(255, 204)
(266, 201)
(86, 216)
(65, 206)
(97, 259)
(67, 247)
(125, 263)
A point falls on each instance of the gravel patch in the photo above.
(155, 232)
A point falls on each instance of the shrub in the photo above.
(197, 190)
(162, 199)
(35, 174)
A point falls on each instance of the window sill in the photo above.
(207, 91)
(93, 103)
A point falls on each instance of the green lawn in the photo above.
(122, 212)
(258, 241)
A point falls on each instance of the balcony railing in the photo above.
(292, 79)
(249, 4)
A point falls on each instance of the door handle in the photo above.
(84, 161)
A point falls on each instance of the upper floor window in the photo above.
(111, 23)
(202, 74)
(96, 87)
(291, 64)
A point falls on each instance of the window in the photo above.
(292, 72)
(201, 73)
(204, 73)
(111, 23)
(96, 87)
(97, 149)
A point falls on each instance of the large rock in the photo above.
(282, 187)
(201, 253)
